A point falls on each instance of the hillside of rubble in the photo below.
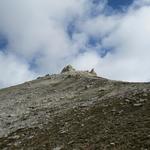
(75, 110)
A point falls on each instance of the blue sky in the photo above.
(3, 42)
(115, 4)
(40, 37)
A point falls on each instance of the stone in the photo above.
(93, 72)
(87, 87)
(101, 89)
(113, 110)
(58, 148)
(15, 137)
(68, 68)
(113, 144)
(127, 100)
(61, 98)
(142, 100)
(47, 75)
(77, 76)
(137, 105)
(145, 94)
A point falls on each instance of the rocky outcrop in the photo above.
(68, 68)
(93, 72)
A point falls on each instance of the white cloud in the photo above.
(37, 29)
(86, 61)
(139, 3)
(37, 33)
(128, 35)
(33, 25)
(100, 26)
(13, 71)
(131, 41)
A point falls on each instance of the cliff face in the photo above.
(75, 110)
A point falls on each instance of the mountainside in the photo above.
(75, 110)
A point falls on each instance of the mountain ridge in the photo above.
(75, 110)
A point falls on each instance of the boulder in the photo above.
(68, 68)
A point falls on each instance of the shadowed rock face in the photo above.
(93, 72)
(68, 68)
(75, 110)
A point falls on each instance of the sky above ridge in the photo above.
(115, 4)
(42, 36)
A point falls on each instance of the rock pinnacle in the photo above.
(68, 68)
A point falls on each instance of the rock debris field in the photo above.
(75, 110)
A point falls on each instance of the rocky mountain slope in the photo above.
(75, 110)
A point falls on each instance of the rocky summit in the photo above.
(75, 110)
(68, 68)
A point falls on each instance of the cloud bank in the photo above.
(42, 36)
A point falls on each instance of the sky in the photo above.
(42, 36)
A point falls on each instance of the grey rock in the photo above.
(137, 104)
(68, 68)
(93, 72)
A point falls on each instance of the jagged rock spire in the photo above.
(68, 68)
(93, 72)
